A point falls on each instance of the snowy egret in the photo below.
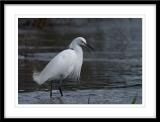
(66, 65)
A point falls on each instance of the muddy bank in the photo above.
(92, 96)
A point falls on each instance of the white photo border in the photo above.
(148, 106)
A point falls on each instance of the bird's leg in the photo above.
(51, 90)
(60, 89)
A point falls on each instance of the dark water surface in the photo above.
(116, 61)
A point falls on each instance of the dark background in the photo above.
(116, 61)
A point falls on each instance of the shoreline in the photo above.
(88, 96)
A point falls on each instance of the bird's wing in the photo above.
(59, 67)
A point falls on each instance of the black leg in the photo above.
(60, 90)
(51, 90)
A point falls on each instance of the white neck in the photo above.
(78, 50)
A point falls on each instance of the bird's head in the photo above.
(80, 41)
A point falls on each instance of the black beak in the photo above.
(90, 47)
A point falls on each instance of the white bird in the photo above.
(66, 65)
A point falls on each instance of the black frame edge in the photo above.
(2, 3)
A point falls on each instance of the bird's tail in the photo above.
(36, 78)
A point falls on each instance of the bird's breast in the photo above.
(76, 69)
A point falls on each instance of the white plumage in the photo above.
(53, 70)
(66, 65)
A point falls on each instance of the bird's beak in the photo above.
(90, 47)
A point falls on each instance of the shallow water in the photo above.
(116, 61)
(97, 71)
